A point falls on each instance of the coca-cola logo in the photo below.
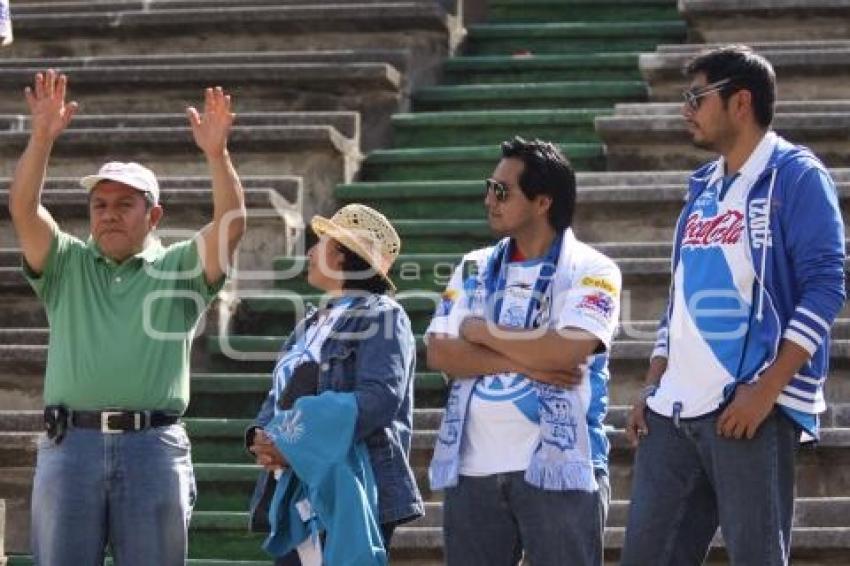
(722, 230)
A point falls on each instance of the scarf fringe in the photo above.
(561, 476)
(443, 473)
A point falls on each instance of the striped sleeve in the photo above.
(807, 330)
(660, 349)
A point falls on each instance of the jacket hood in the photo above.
(784, 153)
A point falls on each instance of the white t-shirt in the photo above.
(713, 297)
(501, 430)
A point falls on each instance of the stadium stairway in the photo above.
(553, 69)
(314, 86)
(549, 69)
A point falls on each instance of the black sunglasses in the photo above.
(693, 96)
(500, 190)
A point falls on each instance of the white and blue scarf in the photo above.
(562, 459)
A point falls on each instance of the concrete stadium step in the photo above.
(458, 236)
(739, 21)
(136, 86)
(23, 336)
(22, 368)
(656, 136)
(628, 367)
(373, 88)
(430, 272)
(65, 195)
(277, 312)
(319, 153)
(826, 539)
(247, 138)
(226, 480)
(818, 524)
(541, 68)
(274, 207)
(628, 360)
(420, 277)
(807, 70)
(65, 6)
(480, 127)
(463, 162)
(640, 207)
(9, 257)
(346, 123)
(571, 37)
(274, 225)
(397, 58)
(22, 376)
(580, 10)
(518, 96)
(423, 27)
(235, 395)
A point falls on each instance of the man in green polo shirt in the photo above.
(115, 467)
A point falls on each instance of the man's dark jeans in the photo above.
(489, 521)
(689, 480)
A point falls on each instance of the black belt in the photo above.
(121, 421)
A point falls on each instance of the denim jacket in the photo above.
(372, 353)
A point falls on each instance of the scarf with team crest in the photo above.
(562, 459)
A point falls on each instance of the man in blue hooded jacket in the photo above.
(737, 373)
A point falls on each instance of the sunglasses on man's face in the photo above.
(693, 96)
(500, 190)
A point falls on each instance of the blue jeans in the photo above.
(490, 520)
(689, 480)
(132, 491)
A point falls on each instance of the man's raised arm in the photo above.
(50, 115)
(220, 237)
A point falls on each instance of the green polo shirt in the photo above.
(120, 334)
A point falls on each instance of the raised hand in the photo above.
(48, 109)
(211, 128)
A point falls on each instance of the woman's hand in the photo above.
(268, 456)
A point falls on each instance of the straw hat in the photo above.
(364, 231)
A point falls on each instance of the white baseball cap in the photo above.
(131, 174)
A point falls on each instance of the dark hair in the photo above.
(746, 71)
(545, 172)
(359, 275)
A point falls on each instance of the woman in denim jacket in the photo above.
(361, 342)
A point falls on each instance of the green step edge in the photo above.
(454, 154)
(229, 382)
(512, 63)
(404, 190)
(499, 117)
(578, 30)
(580, 10)
(567, 89)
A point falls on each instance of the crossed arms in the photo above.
(551, 356)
